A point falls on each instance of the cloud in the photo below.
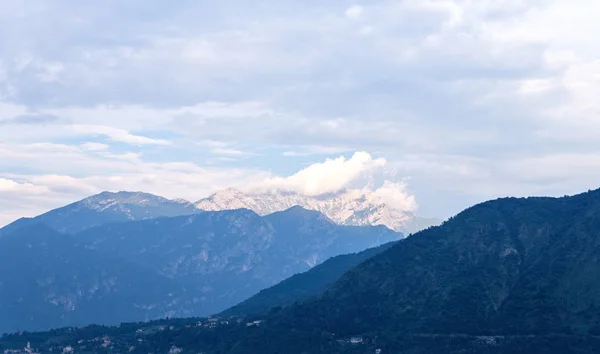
(91, 146)
(59, 174)
(366, 30)
(354, 12)
(222, 148)
(49, 72)
(231, 152)
(395, 195)
(316, 150)
(334, 175)
(31, 119)
(329, 176)
(460, 95)
(116, 134)
(17, 199)
(7, 185)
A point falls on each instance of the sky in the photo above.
(436, 104)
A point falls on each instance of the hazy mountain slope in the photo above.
(196, 264)
(348, 207)
(228, 256)
(302, 286)
(47, 281)
(107, 207)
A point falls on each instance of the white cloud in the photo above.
(316, 150)
(91, 146)
(225, 151)
(222, 148)
(366, 30)
(18, 198)
(63, 174)
(116, 134)
(454, 92)
(337, 174)
(7, 185)
(49, 72)
(395, 195)
(325, 177)
(354, 12)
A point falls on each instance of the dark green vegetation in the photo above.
(505, 276)
(192, 265)
(303, 286)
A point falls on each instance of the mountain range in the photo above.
(200, 263)
(347, 207)
(513, 275)
(104, 208)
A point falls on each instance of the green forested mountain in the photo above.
(505, 276)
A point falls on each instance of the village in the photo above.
(105, 341)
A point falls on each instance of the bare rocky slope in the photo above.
(347, 207)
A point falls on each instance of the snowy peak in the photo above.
(106, 200)
(109, 207)
(227, 199)
(347, 207)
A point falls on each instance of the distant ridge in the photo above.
(187, 265)
(347, 207)
(507, 276)
(107, 207)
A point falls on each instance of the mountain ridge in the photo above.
(208, 261)
(512, 275)
(346, 207)
(107, 207)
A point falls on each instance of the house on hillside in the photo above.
(254, 323)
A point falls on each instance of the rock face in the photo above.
(190, 265)
(348, 207)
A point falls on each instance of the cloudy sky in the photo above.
(439, 103)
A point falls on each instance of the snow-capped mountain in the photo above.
(348, 207)
(107, 207)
